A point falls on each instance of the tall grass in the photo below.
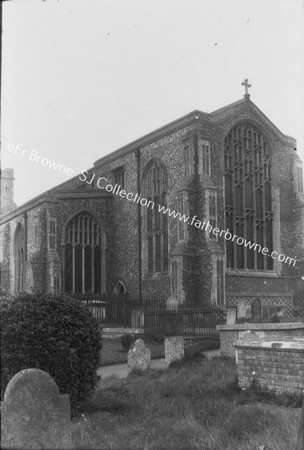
(191, 405)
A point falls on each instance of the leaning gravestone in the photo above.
(241, 309)
(139, 356)
(231, 316)
(33, 414)
(174, 349)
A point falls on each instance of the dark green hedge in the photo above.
(56, 334)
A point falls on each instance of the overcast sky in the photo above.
(81, 78)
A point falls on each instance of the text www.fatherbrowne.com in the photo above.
(194, 220)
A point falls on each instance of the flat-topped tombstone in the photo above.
(174, 349)
(243, 310)
(34, 414)
(249, 337)
(231, 316)
(139, 357)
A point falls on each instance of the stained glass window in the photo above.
(188, 157)
(83, 255)
(183, 209)
(212, 212)
(119, 176)
(52, 234)
(156, 233)
(248, 201)
(204, 157)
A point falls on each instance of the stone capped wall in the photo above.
(230, 334)
(278, 366)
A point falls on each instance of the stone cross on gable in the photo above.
(247, 86)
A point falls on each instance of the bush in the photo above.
(127, 340)
(56, 334)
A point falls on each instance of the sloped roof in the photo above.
(214, 117)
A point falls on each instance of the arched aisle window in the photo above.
(248, 201)
(155, 186)
(84, 256)
(19, 260)
(256, 310)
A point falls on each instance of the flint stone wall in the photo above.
(276, 365)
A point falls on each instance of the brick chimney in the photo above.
(7, 190)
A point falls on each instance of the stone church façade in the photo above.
(232, 168)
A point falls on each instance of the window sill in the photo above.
(252, 273)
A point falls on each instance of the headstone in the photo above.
(243, 310)
(265, 312)
(33, 414)
(231, 316)
(139, 356)
(174, 349)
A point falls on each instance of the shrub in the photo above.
(126, 341)
(56, 334)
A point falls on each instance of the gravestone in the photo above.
(139, 357)
(231, 316)
(33, 414)
(243, 310)
(174, 349)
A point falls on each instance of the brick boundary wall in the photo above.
(278, 369)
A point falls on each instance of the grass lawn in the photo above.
(113, 353)
(192, 405)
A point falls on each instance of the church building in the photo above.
(208, 209)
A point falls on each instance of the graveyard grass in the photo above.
(193, 404)
(112, 351)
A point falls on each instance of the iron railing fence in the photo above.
(153, 315)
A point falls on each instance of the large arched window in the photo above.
(155, 187)
(83, 256)
(248, 177)
(19, 260)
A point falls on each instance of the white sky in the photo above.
(81, 78)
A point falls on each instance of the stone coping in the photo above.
(262, 326)
(123, 330)
(287, 343)
(296, 345)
